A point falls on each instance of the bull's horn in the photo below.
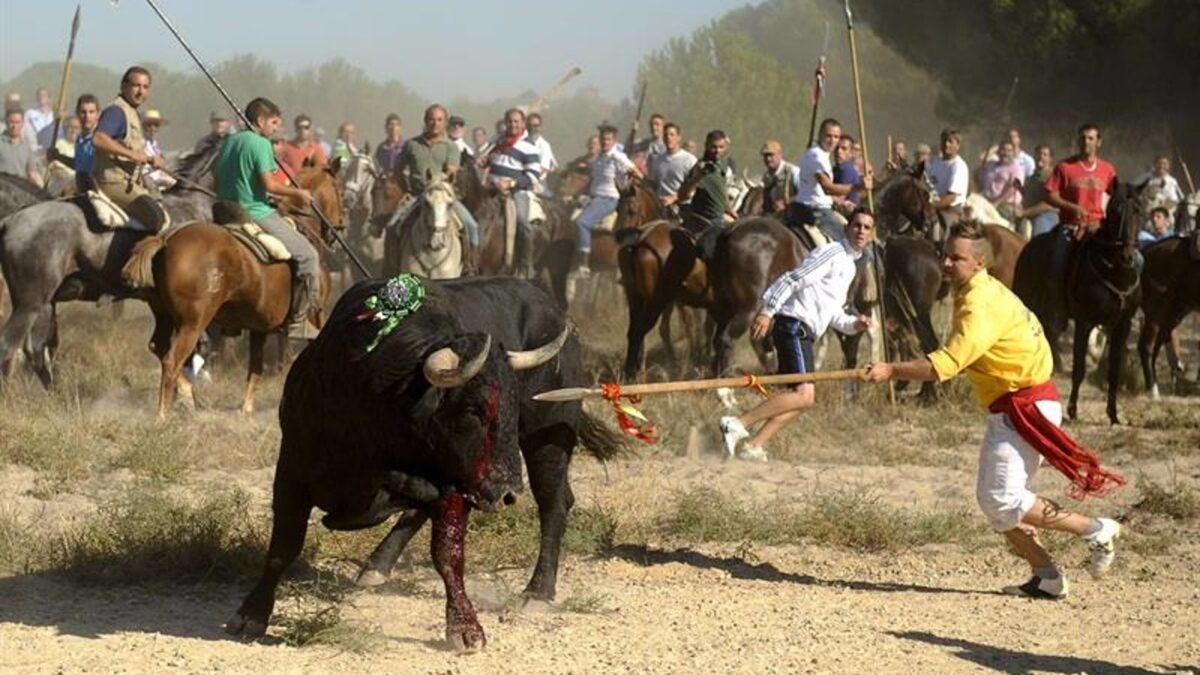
(536, 357)
(444, 368)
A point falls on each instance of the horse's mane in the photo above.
(197, 164)
(24, 185)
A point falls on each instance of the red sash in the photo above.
(1080, 465)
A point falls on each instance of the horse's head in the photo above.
(637, 205)
(438, 198)
(321, 183)
(1122, 216)
(357, 178)
(906, 201)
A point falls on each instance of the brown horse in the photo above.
(200, 274)
(1170, 291)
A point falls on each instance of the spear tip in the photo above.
(567, 394)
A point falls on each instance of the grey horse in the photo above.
(49, 254)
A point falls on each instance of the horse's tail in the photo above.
(600, 441)
(139, 271)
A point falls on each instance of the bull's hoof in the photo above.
(532, 605)
(370, 578)
(242, 626)
(466, 637)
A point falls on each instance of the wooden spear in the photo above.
(60, 111)
(1187, 174)
(862, 133)
(578, 393)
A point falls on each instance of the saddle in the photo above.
(102, 213)
(265, 247)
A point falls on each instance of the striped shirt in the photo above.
(816, 291)
(520, 163)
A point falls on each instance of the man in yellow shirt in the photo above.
(998, 344)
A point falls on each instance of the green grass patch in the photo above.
(512, 536)
(1177, 501)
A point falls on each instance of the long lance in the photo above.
(579, 393)
(61, 108)
(238, 111)
(818, 88)
(636, 119)
(1187, 174)
(862, 133)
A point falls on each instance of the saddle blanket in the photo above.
(267, 248)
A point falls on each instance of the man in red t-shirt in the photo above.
(1079, 188)
(1080, 185)
(301, 149)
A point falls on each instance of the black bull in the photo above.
(433, 422)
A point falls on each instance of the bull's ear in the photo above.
(427, 405)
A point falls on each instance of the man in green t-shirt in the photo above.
(707, 181)
(245, 172)
(433, 154)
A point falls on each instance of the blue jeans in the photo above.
(591, 215)
(468, 222)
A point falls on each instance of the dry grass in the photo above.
(853, 518)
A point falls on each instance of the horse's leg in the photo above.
(1078, 363)
(183, 341)
(664, 333)
(1147, 348)
(38, 347)
(849, 344)
(929, 342)
(15, 335)
(1116, 360)
(257, 341)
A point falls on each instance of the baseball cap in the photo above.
(456, 121)
(772, 148)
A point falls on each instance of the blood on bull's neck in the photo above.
(483, 465)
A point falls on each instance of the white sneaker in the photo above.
(1103, 546)
(733, 431)
(753, 453)
(1040, 589)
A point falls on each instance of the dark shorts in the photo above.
(793, 345)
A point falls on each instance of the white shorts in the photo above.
(1007, 465)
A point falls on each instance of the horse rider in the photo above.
(796, 310)
(303, 148)
(121, 153)
(612, 165)
(672, 169)
(245, 172)
(815, 188)
(345, 146)
(158, 179)
(387, 153)
(779, 180)
(651, 149)
(87, 109)
(706, 185)
(1079, 188)
(514, 167)
(533, 133)
(456, 128)
(430, 155)
(999, 345)
(951, 178)
(218, 130)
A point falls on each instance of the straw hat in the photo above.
(153, 116)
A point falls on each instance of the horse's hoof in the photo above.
(369, 578)
(246, 628)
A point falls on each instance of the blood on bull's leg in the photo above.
(447, 550)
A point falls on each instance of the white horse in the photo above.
(431, 245)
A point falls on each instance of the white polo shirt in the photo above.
(950, 175)
(808, 190)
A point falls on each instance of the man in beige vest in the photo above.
(121, 156)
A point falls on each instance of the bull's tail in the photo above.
(599, 441)
(139, 271)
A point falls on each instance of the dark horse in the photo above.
(1170, 290)
(1102, 289)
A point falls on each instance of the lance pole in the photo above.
(862, 133)
(1187, 174)
(637, 118)
(818, 88)
(579, 393)
(60, 111)
(245, 122)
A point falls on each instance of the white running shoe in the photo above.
(1040, 589)
(1103, 546)
(753, 453)
(732, 431)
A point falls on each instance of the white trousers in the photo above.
(1007, 465)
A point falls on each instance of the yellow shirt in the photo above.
(996, 340)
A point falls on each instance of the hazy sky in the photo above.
(480, 49)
